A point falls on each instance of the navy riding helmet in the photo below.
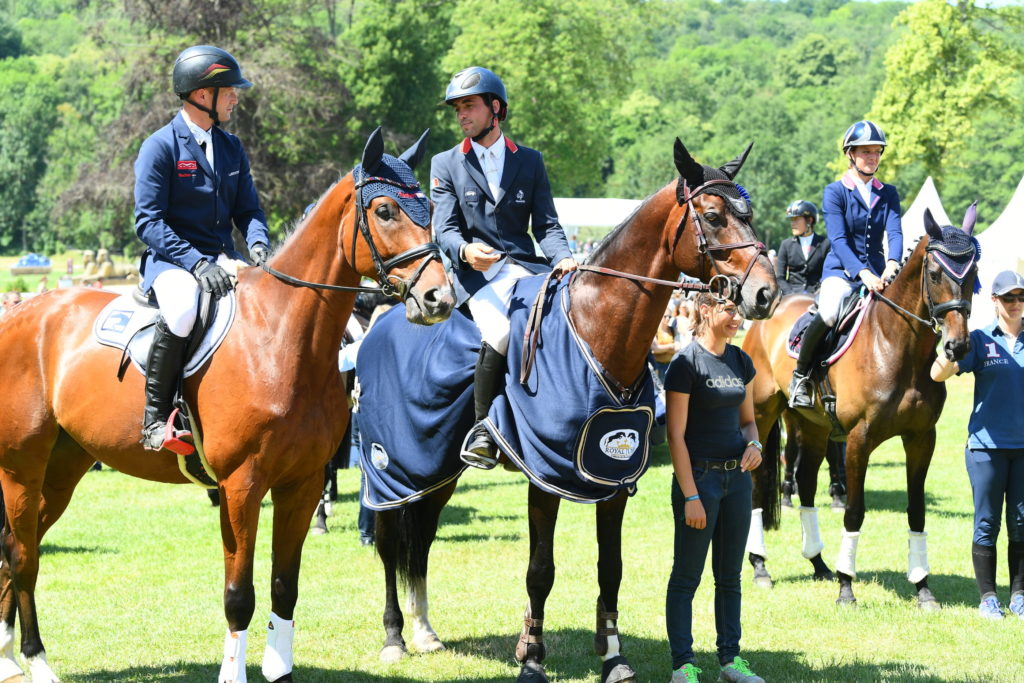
(476, 80)
(863, 133)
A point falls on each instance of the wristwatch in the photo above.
(756, 444)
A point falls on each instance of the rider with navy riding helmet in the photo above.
(192, 186)
(488, 194)
(858, 210)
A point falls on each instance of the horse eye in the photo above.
(383, 212)
(935, 276)
(711, 217)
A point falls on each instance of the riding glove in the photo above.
(259, 253)
(212, 278)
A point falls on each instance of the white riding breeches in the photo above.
(177, 295)
(489, 305)
(830, 297)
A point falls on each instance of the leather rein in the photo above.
(388, 285)
(936, 311)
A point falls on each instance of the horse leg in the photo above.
(765, 513)
(320, 515)
(239, 517)
(615, 668)
(858, 448)
(540, 577)
(835, 453)
(919, 449)
(424, 638)
(293, 504)
(812, 446)
(388, 525)
(789, 484)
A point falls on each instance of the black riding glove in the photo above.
(212, 278)
(259, 253)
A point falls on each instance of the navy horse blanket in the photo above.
(565, 427)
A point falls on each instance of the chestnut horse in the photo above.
(684, 227)
(270, 402)
(883, 390)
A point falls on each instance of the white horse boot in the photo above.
(39, 669)
(8, 664)
(917, 557)
(232, 668)
(277, 658)
(755, 537)
(847, 560)
(811, 532)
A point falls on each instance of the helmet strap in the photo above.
(488, 99)
(211, 111)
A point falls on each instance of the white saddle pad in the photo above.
(120, 324)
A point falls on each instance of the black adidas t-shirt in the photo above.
(717, 386)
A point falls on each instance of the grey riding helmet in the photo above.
(205, 66)
(476, 80)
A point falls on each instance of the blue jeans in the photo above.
(996, 473)
(726, 497)
(366, 515)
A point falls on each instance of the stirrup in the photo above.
(159, 435)
(801, 391)
(479, 450)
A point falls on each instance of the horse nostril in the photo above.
(764, 299)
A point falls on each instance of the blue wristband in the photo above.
(694, 497)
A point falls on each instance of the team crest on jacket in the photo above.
(187, 166)
(520, 197)
(379, 456)
(620, 444)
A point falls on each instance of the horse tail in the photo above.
(404, 535)
(767, 494)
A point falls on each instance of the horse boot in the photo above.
(166, 357)
(801, 389)
(479, 449)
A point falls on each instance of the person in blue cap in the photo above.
(192, 186)
(995, 440)
(488, 193)
(859, 210)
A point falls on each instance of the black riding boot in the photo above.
(801, 389)
(166, 357)
(480, 450)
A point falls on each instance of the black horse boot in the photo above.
(801, 389)
(166, 357)
(479, 449)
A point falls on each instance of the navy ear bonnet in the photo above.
(734, 195)
(956, 252)
(392, 177)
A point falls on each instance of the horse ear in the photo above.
(414, 155)
(374, 151)
(970, 218)
(930, 226)
(733, 167)
(692, 172)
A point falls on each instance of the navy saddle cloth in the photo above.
(838, 339)
(565, 429)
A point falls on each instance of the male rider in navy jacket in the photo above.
(192, 185)
(487, 191)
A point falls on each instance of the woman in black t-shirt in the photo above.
(713, 440)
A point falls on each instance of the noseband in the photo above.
(388, 285)
(937, 311)
(723, 286)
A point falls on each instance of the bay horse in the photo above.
(270, 402)
(882, 390)
(686, 227)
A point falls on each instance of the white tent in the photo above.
(598, 213)
(913, 218)
(1002, 248)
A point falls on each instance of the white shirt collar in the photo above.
(199, 134)
(497, 149)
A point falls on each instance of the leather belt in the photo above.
(726, 465)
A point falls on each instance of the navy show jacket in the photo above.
(184, 210)
(855, 229)
(465, 211)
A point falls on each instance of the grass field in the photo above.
(131, 581)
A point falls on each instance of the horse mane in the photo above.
(611, 240)
(297, 224)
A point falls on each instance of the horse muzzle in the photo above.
(429, 306)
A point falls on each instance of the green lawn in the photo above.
(131, 581)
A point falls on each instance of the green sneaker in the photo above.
(687, 673)
(738, 672)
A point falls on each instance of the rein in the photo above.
(385, 285)
(936, 311)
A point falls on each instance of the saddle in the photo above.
(831, 348)
(127, 323)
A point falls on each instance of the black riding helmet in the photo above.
(802, 207)
(205, 66)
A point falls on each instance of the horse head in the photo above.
(392, 213)
(949, 279)
(720, 215)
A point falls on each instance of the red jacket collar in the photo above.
(467, 145)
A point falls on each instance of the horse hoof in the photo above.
(838, 506)
(392, 654)
(427, 644)
(927, 601)
(764, 581)
(532, 672)
(846, 599)
(318, 531)
(617, 670)
(787, 502)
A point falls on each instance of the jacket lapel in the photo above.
(189, 143)
(511, 168)
(472, 166)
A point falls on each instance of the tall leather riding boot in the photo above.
(801, 389)
(480, 450)
(166, 356)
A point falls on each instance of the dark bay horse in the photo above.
(684, 227)
(270, 402)
(883, 390)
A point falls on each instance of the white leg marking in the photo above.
(917, 558)
(232, 668)
(277, 658)
(613, 642)
(8, 664)
(755, 537)
(39, 671)
(811, 532)
(847, 560)
(424, 639)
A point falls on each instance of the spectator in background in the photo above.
(44, 285)
(664, 346)
(802, 256)
(10, 300)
